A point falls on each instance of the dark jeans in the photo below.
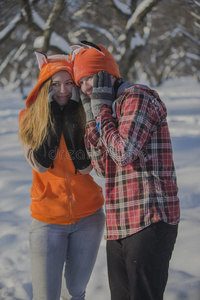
(138, 265)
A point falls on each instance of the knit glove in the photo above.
(75, 94)
(57, 115)
(50, 94)
(102, 93)
(87, 107)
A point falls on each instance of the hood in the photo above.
(49, 66)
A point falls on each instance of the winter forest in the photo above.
(155, 42)
(150, 39)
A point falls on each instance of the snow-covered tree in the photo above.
(151, 39)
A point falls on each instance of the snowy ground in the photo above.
(182, 98)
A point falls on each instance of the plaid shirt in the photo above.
(133, 152)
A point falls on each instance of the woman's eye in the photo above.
(55, 84)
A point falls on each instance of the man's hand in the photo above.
(87, 106)
(102, 93)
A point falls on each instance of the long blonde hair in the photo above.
(36, 121)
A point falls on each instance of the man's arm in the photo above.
(95, 148)
(140, 114)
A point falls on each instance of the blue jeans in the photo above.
(75, 245)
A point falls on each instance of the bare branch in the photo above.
(6, 32)
(141, 11)
(123, 8)
(58, 7)
(28, 18)
(27, 11)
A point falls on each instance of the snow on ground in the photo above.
(182, 97)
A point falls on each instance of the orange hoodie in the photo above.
(62, 195)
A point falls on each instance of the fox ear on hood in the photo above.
(41, 58)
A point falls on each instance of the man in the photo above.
(128, 141)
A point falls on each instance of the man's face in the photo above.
(86, 84)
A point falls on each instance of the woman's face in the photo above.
(62, 84)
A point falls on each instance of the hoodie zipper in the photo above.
(68, 184)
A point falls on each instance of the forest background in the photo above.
(151, 40)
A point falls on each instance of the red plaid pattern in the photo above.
(134, 154)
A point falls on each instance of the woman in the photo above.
(68, 218)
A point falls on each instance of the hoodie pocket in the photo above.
(53, 200)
